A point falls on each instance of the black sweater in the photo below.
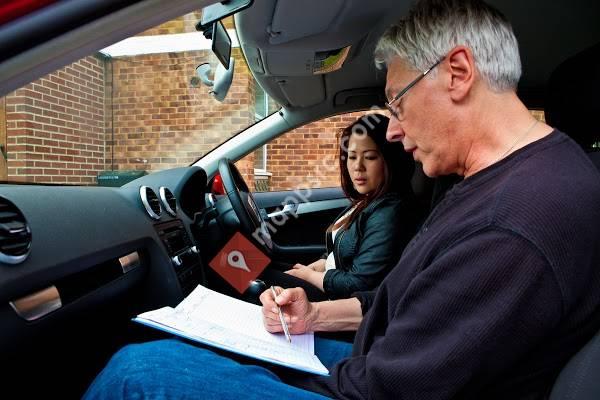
(494, 294)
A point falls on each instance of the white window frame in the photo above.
(258, 117)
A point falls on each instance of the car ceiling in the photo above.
(279, 36)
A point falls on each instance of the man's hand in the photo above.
(298, 312)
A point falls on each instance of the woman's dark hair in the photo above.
(398, 165)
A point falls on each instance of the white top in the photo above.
(330, 261)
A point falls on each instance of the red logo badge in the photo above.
(239, 262)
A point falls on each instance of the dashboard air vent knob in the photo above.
(15, 234)
(151, 202)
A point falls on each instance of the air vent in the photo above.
(168, 200)
(15, 235)
(151, 202)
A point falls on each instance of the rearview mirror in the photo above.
(221, 43)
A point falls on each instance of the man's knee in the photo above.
(131, 371)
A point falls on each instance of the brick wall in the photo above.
(307, 157)
(186, 23)
(55, 126)
(3, 164)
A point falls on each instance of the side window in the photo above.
(306, 157)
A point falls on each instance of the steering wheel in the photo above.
(243, 204)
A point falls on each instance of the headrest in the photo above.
(573, 97)
(422, 187)
(430, 191)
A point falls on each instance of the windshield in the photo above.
(132, 108)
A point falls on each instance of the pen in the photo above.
(285, 327)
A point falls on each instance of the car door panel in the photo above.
(298, 220)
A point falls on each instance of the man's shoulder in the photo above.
(551, 198)
(558, 175)
(546, 193)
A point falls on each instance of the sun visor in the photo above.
(291, 20)
(302, 91)
(304, 63)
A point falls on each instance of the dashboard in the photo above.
(91, 258)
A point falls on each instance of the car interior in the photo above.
(78, 262)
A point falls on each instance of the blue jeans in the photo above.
(174, 369)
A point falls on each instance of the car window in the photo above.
(306, 157)
(132, 108)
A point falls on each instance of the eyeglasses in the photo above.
(396, 112)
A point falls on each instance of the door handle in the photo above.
(287, 209)
(3, 151)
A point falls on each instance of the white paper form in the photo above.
(222, 321)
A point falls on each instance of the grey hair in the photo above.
(434, 27)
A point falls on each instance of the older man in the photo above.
(499, 287)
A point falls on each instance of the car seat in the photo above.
(579, 379)
(430, 191)
(571, 105)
